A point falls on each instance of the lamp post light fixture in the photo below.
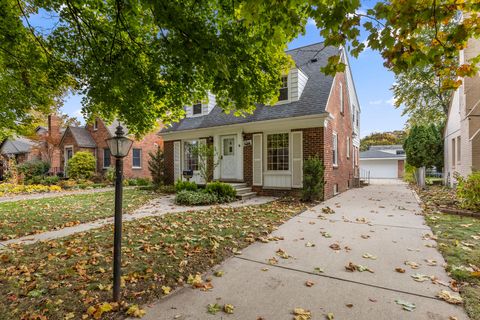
(119, 146)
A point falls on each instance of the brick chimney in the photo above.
(53, 144)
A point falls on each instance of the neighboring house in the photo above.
(462, 130)
(315, 115)
(92, 137)
(383, 162)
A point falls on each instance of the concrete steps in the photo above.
(243, 191)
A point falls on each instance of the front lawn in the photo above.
(25, 217)
(459, 242)
(72, 276)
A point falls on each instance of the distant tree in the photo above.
(156, 166)
(424, 148)
(382, 138)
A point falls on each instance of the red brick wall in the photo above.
(99, 135)
(68, 140)
(342, 125)
(401, 168)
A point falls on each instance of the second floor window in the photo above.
(106, 158)
(284, 89)
(137, 158)
(197, 108)
(335, 150)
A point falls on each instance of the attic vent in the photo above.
(313, 60)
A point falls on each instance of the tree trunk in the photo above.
(421, 177)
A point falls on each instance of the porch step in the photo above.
(243, 191)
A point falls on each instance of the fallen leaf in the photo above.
(166, 290)
(328, 210)
(420, 277)
(318, 270)
(349, 305)
(282, 254)
(228, 308)
(218, 273)
(365, 236)
(325, 234)
(309, 244)
(453, 298)
(135, 311)
(302, 314)
(400, 270)
(309, 283)
(431, 262)
(213, 308)
(412, 264)
(335, 246)
(369, 256)
(330, 316)
(406, 305)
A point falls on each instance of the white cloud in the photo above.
(375, 102)
(378, 102)
(311, 22)
(391, 101)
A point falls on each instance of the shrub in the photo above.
(10, 189)
(223, 191)
(468, 191)
(166, 189)
(67, 184)
(137, 182)
(185, 185)
(110, 174)
(313, 182)
(156, 167)
(192, 198)
(82, 165)
(33, 168)
(44, 180)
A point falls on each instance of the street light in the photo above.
(119, 147)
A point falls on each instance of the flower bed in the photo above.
(13, 189)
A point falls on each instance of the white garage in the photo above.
(383, 162)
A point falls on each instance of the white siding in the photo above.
(302, 82)
(297, 81)
(277, 180)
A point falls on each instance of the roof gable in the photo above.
(313, 101)
(82, 137)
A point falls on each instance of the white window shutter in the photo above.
(202, 142)
(297, 159)
(176, 161)
(257, 160)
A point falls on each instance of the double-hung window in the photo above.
(136, 158)
(106, 158)
(277, 152)
(348, 147)
(197, 108)
(190, 160)
(335, 150)
(453, 151)
(283, 96)
(459, 150)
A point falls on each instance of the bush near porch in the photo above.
(188, 193)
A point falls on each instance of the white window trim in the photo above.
(70, 146)
(182, 153)
(103, 158)
(335, 148)
(265, 155)
(135, 167)
(289, 86)
(458, 143)
(201, 109)
(342, 102)
(348, 147)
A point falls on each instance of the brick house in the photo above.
(92, 137)
(315, 115)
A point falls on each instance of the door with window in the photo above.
(228, 156)
(68, 156)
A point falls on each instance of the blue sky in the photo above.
(372, 81)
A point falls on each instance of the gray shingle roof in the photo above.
(17, 145)
(386, 147)
(113, 127)
(375, 154)
(313, 100)
(83, 137)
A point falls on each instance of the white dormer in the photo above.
(201, 108)
(292, 86)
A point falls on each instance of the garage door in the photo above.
(380, 169)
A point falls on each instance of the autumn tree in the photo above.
(382, 138)
(144, 60)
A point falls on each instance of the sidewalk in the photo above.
(383, 221)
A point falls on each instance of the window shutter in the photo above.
(257, 160)
(176, 161)
(205, 161)
(297, 159)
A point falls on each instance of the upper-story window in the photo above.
(197, 108)
(95, 124)
(284, 89)
(358, 118)
(335, 149)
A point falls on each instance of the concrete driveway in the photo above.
(381, 220)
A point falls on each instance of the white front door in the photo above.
(228, 157)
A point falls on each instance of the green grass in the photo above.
(69, 275)
(459, 243)
(26, 217)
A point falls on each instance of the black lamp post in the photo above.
(119, 147)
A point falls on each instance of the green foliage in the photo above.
(82, 165)
(382, 138)
(169, 189)
(137, 182)
(112, 51)
(43, 180)
(409, 175)
(185, 185)
(313, 179)
(33, 168)
(223, 191)
(192, 198)
(424, 146)
(468, 191)
(110, 174)
(208, 160)
(156, 166)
